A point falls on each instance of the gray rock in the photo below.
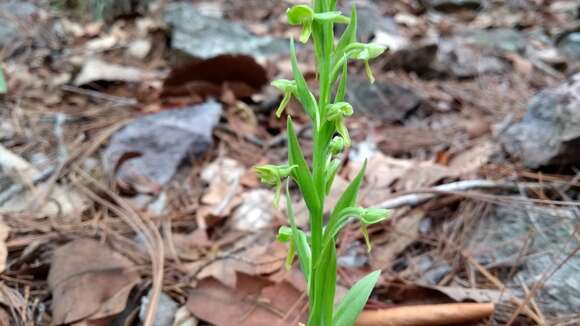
(166, 310)
(204, 37)
(477, 52)
(549, 133)
(569, 45)
(370, 20)
(14, 16)
(145, 154)
(538, 239)
(386, 102)
(501, 39)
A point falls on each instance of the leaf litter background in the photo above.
(127, 194)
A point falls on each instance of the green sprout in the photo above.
(316, 251)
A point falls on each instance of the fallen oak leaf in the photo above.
(88, 280)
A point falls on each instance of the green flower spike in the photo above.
(288, 88)
(272, 175)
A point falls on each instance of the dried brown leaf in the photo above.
(89, 281)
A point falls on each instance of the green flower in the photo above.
(305, 16)
(338, 110)
(288, 88)
(272, 175)
(301, 15)
(365, 52)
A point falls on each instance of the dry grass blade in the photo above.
(142, 226)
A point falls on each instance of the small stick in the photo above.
(414, 198)
(426, 315)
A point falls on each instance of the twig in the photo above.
(417, 197)
(118, 100)
(441, 314)
(16, 189)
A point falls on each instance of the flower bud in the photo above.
(338, 110)
(336, 145)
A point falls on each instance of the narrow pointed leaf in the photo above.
(347, 37)
(348, 198)
(303, 93)
(299, 239)
(301, 173)
(329, 285)
(354, 301)
(341, 90)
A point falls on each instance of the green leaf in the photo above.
(299, 239)
(354, 301)
(331, 171)
(332, 16)
(303, 93)
(301, 173)
(341, 90)
(332, 4)
(348, 198)
(347, 37)
(3, 86)
(328, 285)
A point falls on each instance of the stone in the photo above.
(166, 309)
(569, 45)
(538, 239)
(12, 14)
(204, 37)
(370, 20)
(549, 133)
(477, 52)
(111, 10)
(501, 39)
(385, 102)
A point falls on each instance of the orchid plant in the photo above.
(316, 251)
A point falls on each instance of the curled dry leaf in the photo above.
(253, 255)
(145, 154)
(89, 281)
(206, 78)
(255, 212)
(223, 178)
